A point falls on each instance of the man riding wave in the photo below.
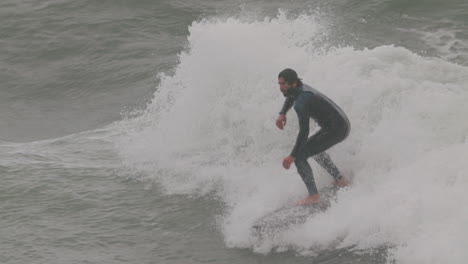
(334, 128)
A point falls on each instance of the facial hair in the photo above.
(289, 92)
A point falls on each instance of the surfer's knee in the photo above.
(300, 162)
(343, 132)
(301, 157)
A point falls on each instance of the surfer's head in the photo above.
(288, 80)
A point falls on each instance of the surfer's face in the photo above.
(285, 87)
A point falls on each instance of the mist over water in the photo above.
(185, 156)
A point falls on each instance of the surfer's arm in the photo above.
(288, 103)
(281, 120)
(303, 129)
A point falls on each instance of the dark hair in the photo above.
(290, 76)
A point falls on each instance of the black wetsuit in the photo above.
(334, 128)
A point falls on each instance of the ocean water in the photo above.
(144, 131)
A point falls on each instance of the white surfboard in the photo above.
(285, 217)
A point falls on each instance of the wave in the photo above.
(209, 131)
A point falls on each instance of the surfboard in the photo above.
(288, 216)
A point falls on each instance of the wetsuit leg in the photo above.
(305, 171)
(321, 141)
(317, 144)
(324, 160)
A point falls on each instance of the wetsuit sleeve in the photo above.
(303, 129)
(288, 103)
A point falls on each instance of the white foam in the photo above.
(210, 128)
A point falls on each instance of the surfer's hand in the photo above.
(281, 121)
(288, 161)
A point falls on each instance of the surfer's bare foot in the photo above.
(311, 199)
(343, 182)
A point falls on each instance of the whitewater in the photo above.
(209, 132)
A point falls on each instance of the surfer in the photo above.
(334, 128)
